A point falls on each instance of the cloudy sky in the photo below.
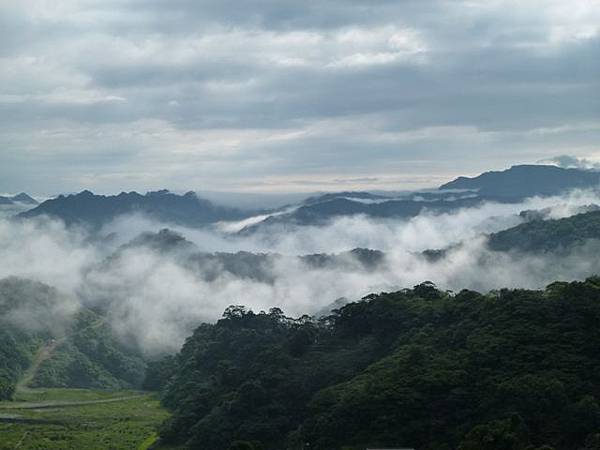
(278, 95)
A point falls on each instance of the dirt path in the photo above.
(22, 440)
(45, 352)
(62, 403)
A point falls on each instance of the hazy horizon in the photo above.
(245, 198)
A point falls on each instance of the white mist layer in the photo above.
(155, 300)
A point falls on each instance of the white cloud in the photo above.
(252, 90)
(158, 298)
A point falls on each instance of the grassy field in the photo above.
(75, 419)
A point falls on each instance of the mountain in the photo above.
(90, 356)
(351, 195)
(523, 181)
(165, 241)
(242, 264)
(548, 235)
(28, 317)
(93, 210)
(511, 185)
(74, 347)
(418, 368)
(25, 199)
(22, 198)
(541, 235)
(320, 210)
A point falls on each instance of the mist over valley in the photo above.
(276, 225)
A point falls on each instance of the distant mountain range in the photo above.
(523, 181)
(321, 210)
(94, 210)
(22, 198)
(538, 235)
(511, 185)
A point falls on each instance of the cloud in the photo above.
(572, 162)
(154, 299)
(135, 93)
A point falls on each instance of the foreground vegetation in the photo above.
(422, 368)
(418, 368)
(43, 343)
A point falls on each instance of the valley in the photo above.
(299, 225)
(158, 321)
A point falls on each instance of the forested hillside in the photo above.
(74, 347)
(90, 357)
(16, 351)
(29, 316)
(548, 235)
(422, 368)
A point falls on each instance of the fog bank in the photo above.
(155, 297)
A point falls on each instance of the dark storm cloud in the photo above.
(249, 94)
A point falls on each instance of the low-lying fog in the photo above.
(155, 298)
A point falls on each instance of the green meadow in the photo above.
(75, 419)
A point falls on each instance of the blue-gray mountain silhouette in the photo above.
(523, 181)
(94, 210)
(511, 185)
(19, 198)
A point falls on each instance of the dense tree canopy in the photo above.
(84, 353)
(422, 368)
(27, 318)
(91, 357)
(549, 235)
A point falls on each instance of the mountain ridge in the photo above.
(22, 198)
(508, 186)
(87, 208)
(526, 180)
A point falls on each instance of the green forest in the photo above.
(419, 368)
(16, 352)
(549, 235)
(90, 357)
(26, 321)
(75, 349)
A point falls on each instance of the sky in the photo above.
(291, 96)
